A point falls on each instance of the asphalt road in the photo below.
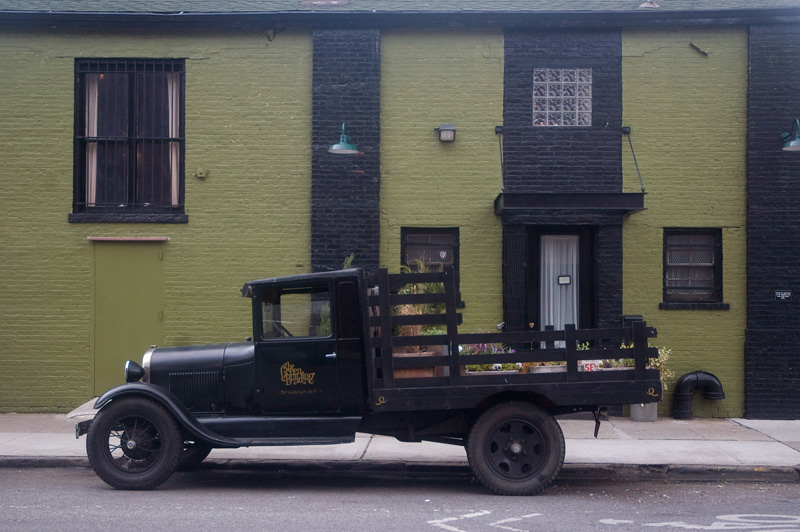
(75, 499)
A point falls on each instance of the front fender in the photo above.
(172, 404)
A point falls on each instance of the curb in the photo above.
(37, 462)
(399, 469)
(680, 473)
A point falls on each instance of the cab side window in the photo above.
(296, 312)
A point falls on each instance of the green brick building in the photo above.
(156, 157)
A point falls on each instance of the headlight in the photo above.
(133, 371)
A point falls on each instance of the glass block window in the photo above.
(562, 97)
(692, 265)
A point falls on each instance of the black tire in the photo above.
(134, 444)
(193, 454)
(516, 448)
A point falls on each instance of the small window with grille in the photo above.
(692, 265)
(430, 249)
(129, 139)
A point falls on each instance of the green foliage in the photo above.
(324, 327)
(659, 363)
(422, 308)
(348, 261)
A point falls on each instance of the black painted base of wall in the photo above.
(772, 374)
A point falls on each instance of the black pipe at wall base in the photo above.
(687, 385)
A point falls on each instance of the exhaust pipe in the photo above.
(687, 385)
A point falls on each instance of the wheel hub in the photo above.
(131, 445)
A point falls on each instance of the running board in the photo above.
(275, 442)
(280, 430)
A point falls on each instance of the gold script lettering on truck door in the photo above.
(291, 376)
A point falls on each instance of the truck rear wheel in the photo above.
(134, 444)
(516, 448)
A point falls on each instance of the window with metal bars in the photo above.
(692, 265)
(129, 140)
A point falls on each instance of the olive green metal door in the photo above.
(128, 306)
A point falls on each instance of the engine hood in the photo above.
(200, 357)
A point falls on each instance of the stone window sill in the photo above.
(89, 217)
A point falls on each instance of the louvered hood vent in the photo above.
(197, 390)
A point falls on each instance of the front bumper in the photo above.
(82, 428)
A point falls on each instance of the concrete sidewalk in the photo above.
(701, 449)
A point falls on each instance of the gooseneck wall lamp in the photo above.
(791, 139)
(344, 146)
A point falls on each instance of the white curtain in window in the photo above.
(90, 130)
(173, 96)
(558, 302)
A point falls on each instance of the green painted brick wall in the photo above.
(429, 78)
(688, 117)
(248, 117)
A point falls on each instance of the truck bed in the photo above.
(430, 372)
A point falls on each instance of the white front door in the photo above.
(558, 281)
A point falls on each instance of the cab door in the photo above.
(296, 358)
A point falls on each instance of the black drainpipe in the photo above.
(687, 385)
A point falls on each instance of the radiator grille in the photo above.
(197, 390)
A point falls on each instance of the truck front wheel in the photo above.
(516, 448)
(134, 444)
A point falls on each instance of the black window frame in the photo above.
(405, 232)
(454, 231)
(132, 210)
(671, 301)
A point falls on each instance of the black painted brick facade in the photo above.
(563, 160)
(772, 350)
(608, 268)
(345, 189)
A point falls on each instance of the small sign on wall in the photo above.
(783, 295)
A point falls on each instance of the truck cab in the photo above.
(309, 340)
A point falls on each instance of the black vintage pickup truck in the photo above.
(341, 352)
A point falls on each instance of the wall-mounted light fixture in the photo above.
(447, 132)
(791, 139)
(344, 146)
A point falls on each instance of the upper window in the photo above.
(562, 97)
(430, 249)
(129, 140)
(692, 266)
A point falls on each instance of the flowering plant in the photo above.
(489, 349)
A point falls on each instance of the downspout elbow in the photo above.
(687, 385)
